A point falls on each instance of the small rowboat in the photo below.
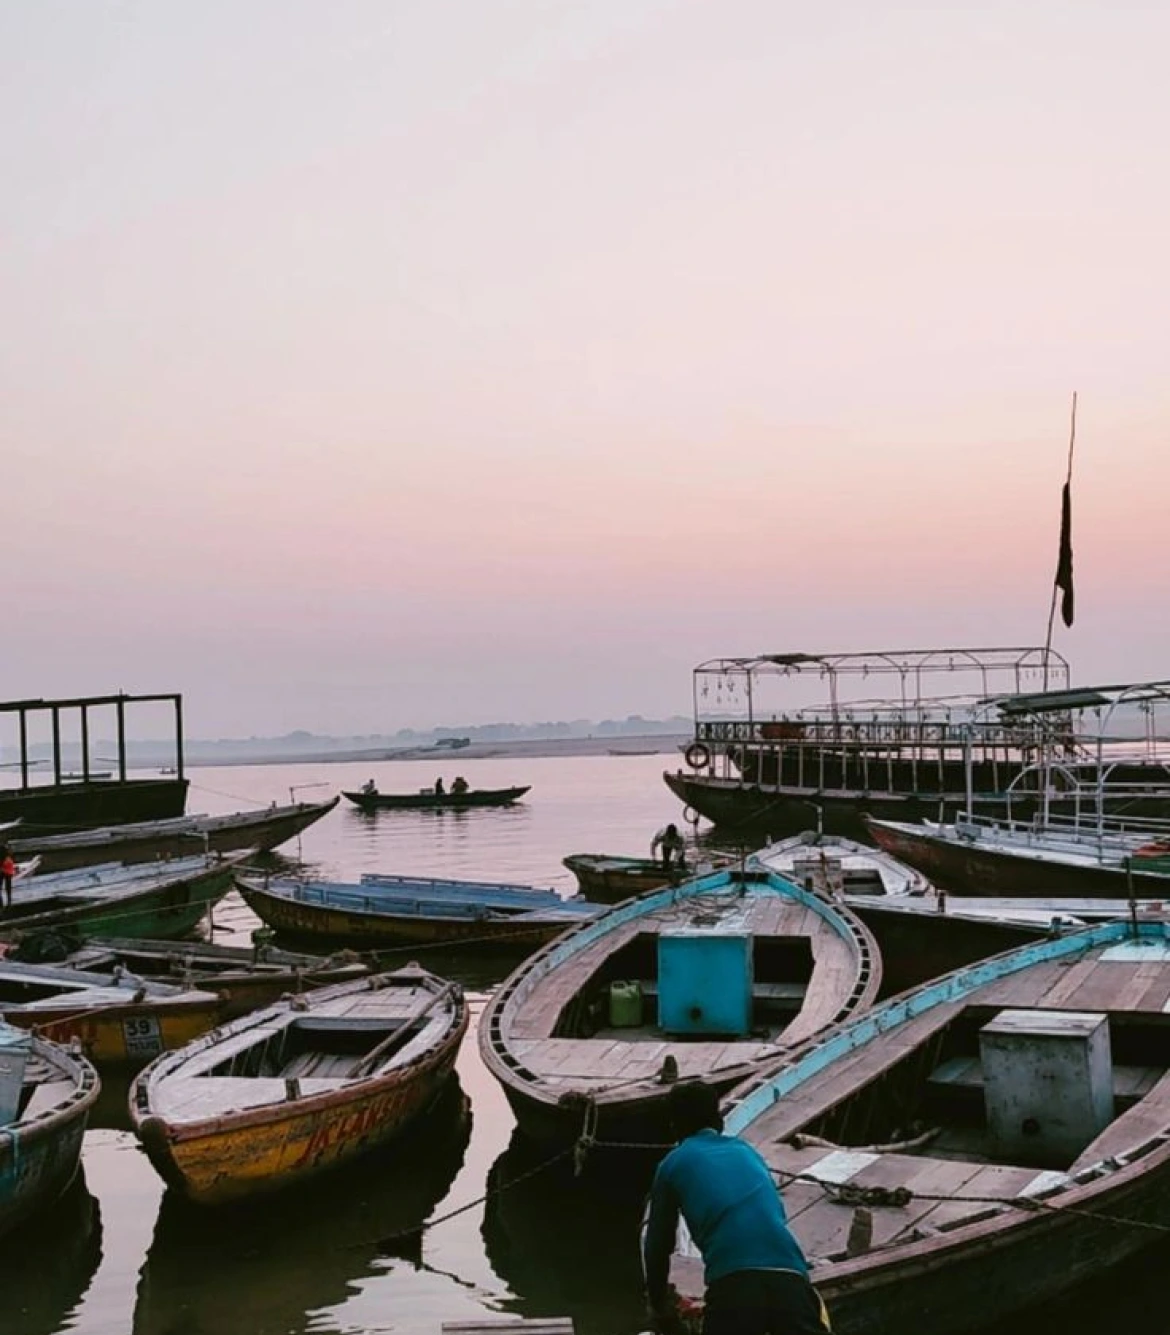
(705, 980)
(314, 1081)
(149, 899)
(938, 1153)
(242, 979)
(608, 879)
(428, 800)
(117, 1019)
(840, 868)
(392, 910)
(177, 837)
(45, 1097)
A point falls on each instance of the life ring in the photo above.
(697, 756)
(691, 816)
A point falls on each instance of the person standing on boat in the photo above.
(440, 791)
(672, 844)
(7, 872)
(755, 1273)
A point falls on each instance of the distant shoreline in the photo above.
(666, 744)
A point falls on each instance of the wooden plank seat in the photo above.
(1130, 1083)
(211, 1096)
(792, 994)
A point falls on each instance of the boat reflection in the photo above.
(567, 1246)
(47, 1266)
(288, 1255)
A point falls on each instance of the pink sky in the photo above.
(373, 365)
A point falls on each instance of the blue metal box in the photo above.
(15, 1046)
(704, 982)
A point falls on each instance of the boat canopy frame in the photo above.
(83, 704)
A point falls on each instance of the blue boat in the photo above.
(45, 1097)
(389, 910)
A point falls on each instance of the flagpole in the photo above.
(1072, 440)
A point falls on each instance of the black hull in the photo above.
(757, 813)
(497, 797)
(59, 809)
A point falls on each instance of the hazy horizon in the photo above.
(374, 363)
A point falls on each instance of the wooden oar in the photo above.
(392, 1040)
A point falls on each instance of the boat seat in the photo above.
(792, 994)
(965, 1074)
(211, 1096)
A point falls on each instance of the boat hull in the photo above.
(610, 880)
(38, 1164)
(324, 923)
(57, 808)
(277, 1145)
(122, 1037)
(973, 869)
(264, 833)
(426, 801)
(168, 910)
(757, 812)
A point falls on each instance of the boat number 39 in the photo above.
(142, 1036)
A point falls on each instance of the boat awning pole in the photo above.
(56, 745)
(84, 744)
(121, 711)
(179, 736)
(24, 749)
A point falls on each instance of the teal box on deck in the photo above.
(704, 982)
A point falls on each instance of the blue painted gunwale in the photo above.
(742, 1109)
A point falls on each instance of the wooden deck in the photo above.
(1130, 980)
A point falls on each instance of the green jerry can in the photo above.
(625, 1005)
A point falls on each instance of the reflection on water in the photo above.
(47, 1265)
(264, 1267)
(567, 1246)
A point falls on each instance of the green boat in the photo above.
(160, 899)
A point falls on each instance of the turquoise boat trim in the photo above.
(761, 883)
(854, 1034)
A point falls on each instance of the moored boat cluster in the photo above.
(939, 1016)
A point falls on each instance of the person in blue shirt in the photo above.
(755, 1273)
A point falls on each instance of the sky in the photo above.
(377, 365)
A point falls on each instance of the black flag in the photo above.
(1064, 575)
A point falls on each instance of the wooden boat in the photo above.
(428, 800)
(375, 1208)
(45, 1097)
(115, 1018)
(163, 899)
(979, 1143)
(243, 979)
(706, 979)
(87, 797)
(840, 868)
(1004, 858)
(298, 1087)
(608, 880)
(957, 727)
(416, 910)
(261, 830)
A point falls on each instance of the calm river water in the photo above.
(345, 1257)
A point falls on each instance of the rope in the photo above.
(429, 1224)
(899, 1197)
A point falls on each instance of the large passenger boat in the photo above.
(904, 735)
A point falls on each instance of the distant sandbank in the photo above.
(667, 744)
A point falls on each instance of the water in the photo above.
(345, 1256)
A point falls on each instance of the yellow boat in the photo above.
(116, 1019)
(287, 1092)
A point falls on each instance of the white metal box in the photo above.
(1047, 1083)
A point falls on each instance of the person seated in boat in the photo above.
(369, 787)
(673, 847)
(440, 791)
(459, 787)
(7, 872)
(755, 1272)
